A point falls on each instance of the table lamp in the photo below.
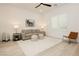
(16, 28)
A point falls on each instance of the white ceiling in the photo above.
(31, 6)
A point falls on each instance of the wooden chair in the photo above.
(72, 36)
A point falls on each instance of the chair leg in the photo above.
(76, 41)
(69, 41)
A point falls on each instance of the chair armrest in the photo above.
(65, 36)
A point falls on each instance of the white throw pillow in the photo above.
(34, 37)
(41, 35)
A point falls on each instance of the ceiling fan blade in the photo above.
(47, 5)
(38, 5)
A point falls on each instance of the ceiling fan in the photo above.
(48, 5)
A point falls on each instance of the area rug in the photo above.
(33, 47)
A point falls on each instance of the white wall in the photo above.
(10, 16)
(72, 12)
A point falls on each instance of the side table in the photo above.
(17, 36)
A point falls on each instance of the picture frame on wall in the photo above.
(30, 23)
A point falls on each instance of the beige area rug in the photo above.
(31, 48)
(62, 49)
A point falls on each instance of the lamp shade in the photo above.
(16, 26)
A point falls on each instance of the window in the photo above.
(59, 21)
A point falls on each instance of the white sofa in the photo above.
(26, 34)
